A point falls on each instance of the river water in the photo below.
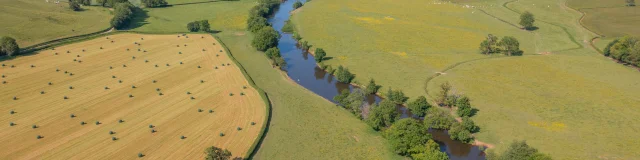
(302, 69)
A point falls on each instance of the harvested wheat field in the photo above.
(125, 96)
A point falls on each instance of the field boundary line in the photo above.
(265, 126)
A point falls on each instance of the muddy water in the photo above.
(302, 69)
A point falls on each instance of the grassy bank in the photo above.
(36, 21)
(568, 97)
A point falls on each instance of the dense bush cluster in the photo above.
(626, 49)
(319, 54)
(8, 46)
(215, 153)
(519, 150)
(273, 53)
(382, 115)
(419, 106)
(154, 3)
(74, 5)
(507, 45)
(110, 3)
(123, 12)
(351, 101)
(372, 87)
(297, 5)
(196, 26)
(409, 137)
(396, 96)
(343, 75)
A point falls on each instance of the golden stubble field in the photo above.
(113, 81)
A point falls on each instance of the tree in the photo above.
(510, 45)
(382, 115)
(266, 38)
(444, 92)
(488, 46)
(372, 87)
(520, 150)
(305, 46)
(626, 49)
(85, 2)
(281, 63)
(459, 133)
(122, 14)
(438, 119)
(319, 55)
(430, 151)
(273, 52)
(102, 3)
(342, 98)
(631, 3)
(343, 75)
(215, 153)
(406, 134)
(255, 23)
(204, 25)
(114, 3)
(297, 5)
(469, 125)
(464, 106)
(419, 107)
(526, 20)
(396, 96)
(193, 26)
(355, 100)
(8, 46)
(74, 6)
(154, 3)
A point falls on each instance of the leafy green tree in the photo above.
(85, 2)
(266, 38)
(343, 75)
(607, 49)
(355, 100)
(488, 46)
(8, 46)
(382, 115)
(396, 96)
(464, 107)
(437, 118)
(510, 45)
(626, 49)
(631, 3)
(459, 133)
(305, 46)
(74, 6)
(430, 151)
(154, 3)
(319, 54)
(527, 20)
(469, 125)
(451, 100)
(122, 14)
(281, 63)
(273, 52)
(520, 150)
(193, 26)
(444, 93)
(419, 107)
(406, 134)
(215, 153)
(204, 25)
(255, 23)
(372, 87)
(114, 3)
(297, 5)
(342, 98)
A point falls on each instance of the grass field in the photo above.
(188, 82)
(571, 97)
(35, 21)
(608, 18)
(222, 15)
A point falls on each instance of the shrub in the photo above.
(319, 54)
(464, 107)
(9, 47)
(396, 96)
(265, 38)
(419, 107)
(459, 133)
(255, 23)
(343, 75)
(510, 45)
(437, 118)
(273, 52)
(469, 125)
(215, 153)
(122, 14)
(74, 6)
(526, 20)
(626, 50)
(372, 87)
(382, 115)
(297, 5)
(305, 46)
(406, 134)
(154, 3)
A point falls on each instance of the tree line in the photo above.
(123, 13)
(196, 26)
(507, 45)
(625, 49)
(266, 38)
(8, 46)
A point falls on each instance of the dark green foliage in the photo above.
(273, 52)
(526, 20)
(444, 93)
(520, 150)
(305, 46)
(193, 26)
(74, 6)
(288, 27)
(372, 87)
(396, 96)
(8, 46)
(204, 25)
(420, 106)
(351, 101)
(215, 153)
(342, 97)
(510, 45)
(265, 38)
(631, 3)
(464, 107)
(319, 54)
(297, 36)
(343, 75)
(297, 5)
(459, 133)
(122, 15)
(197, 26)
(626, 50)
(382, 115)
(469, 125)
(429, 151)
(154, 3)
(437, 118)
(255, 23)
(406, 134)
(488, 46)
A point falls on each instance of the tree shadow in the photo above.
(518, 53)
(474, 111)
(139, 20)
(327, 58)
(531, 28)
(181, 4)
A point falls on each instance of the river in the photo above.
(302, 68)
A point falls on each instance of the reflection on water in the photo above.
(304, 71)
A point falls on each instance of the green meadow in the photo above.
(570, 102)
(611, 19)
(303, 124)
(36, 21)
